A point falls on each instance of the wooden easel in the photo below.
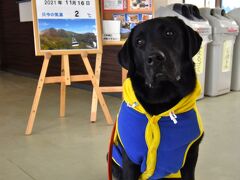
(66, 79)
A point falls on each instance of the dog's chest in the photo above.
(175, 136)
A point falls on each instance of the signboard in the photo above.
(227, 55)
(128, 12)
(66, 26)
(198, 59)
(111, 30)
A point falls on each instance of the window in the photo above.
(229, 5)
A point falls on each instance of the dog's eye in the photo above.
(140, 42)
(169, 33)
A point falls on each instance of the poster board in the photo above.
(128, 12)
(66, 27)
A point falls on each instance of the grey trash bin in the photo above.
(220, 51)
(191, 16)
(235, 82)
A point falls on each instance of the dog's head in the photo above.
(159, 50)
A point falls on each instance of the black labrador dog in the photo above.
(158, 56)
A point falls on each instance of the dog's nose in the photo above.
(156, 56)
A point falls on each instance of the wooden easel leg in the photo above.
(65, 72)
(94, 95)
(37, 94)
(97, 89)
(62, 90)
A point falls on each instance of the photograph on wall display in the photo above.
(146, 17)
(66, 25)
(129, 21)
(119, 17)
(140, 5)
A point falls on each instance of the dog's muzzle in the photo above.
(156, 58)
(156, 69)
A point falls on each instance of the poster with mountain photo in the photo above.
(67, 24)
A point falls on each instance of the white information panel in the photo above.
(67, 24)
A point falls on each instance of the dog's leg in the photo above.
(188, 170)
(117, 171)
(131, 171)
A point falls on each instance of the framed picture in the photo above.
(114, 5)
(66, 26)
(140, 6)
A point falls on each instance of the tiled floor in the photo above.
(72, 148)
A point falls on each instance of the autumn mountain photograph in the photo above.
(63, 34)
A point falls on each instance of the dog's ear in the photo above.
(124, 55)
(194, 41)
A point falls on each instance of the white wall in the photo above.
(202, 3)
(210, 3)
(158, 3)
(199, 3)
(174, 1)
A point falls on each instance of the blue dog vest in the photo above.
(159, 144)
